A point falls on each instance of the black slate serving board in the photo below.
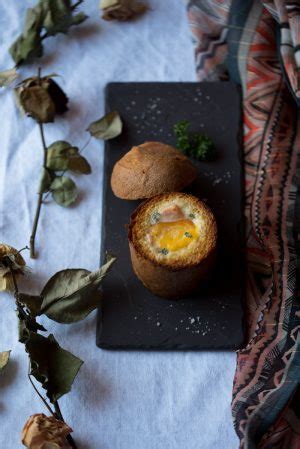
(130, 316)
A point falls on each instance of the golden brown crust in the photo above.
(172, 278)
(150, 169)
(136, 230)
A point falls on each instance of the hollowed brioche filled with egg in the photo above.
(150, 169)
(172, 240)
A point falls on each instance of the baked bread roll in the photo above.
(150, 169)
(172, 240)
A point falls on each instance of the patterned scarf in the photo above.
(257, 43)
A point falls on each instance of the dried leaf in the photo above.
(4, 359)
(57, 95)
(7, 77)
(45, 181)
(59, 16)
(27, 324)
(64, 191)
(47, 18)
(122, 9)
(37, 103)
(107, 127)
(108, 3)
(52, 366)
(58, 155)
(31, 302)
(78, 164)
(79, 18)
(70, 295)
(63, 156)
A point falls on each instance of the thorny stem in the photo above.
(61, 418)
(40, 194)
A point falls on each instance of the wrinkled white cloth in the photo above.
(120, 400)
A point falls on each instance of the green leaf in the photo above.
(58, 155)
(37, 103)
(107, 127)
(4, 359)
(31, 302)
(70, 295)
(45, 181)
(64, 191)
(52, 366)
(7, 77)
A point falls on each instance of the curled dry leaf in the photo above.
(52, 366)
(41, 432)
(122, 10)
(41, 98)
(17, 263)
(107, 127)
(7, 77)
(4, 359)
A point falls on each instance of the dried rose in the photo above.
(122, 9)
(41, 98)
(45, 432)
(9, 258)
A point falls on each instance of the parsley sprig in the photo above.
(198, 146)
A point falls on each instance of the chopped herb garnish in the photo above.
(192, 215)
(164, 251)
(155, 217)
(188, 234)
(181, 133)
(198, 146)
(203, 148)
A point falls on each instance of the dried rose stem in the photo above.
(57, 413)
(39, 394)
(40, 197)
(40, 200)
(61, 418)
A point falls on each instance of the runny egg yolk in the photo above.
(173, 235)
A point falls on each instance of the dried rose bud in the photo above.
(41, 98)
(45, 432)
(121, 9)
(10, 258)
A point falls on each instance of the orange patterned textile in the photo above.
(257, 44)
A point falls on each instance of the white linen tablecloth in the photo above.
(120, 400)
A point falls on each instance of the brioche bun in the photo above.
(150, 169)
(172, 240)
